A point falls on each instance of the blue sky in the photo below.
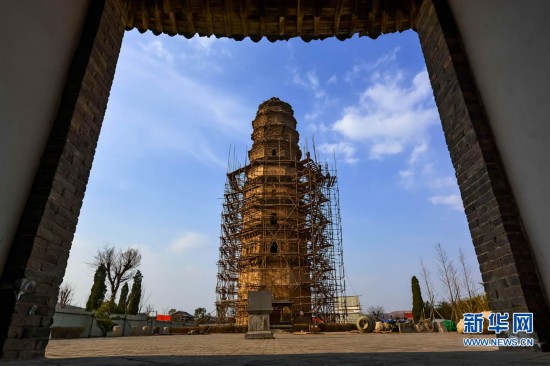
(176, 108)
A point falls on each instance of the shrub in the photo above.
(66, 332)
(450, 325)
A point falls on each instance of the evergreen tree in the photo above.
(135, 294)
(123, 300)
(418, 303)
(97, 294)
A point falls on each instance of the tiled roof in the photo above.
(275, 19)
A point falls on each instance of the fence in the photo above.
(84, 320)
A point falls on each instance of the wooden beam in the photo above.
(208, 16)
(299, 18)
(244, 15)
(398, 19)
(158, 18)
(371, 17)
(337, 16)
(281, 18)
(227, 17)
(173, 22)
(262, 18)
(131, 15)
(316, 19)
(170, 9)
(190, 21)
(144, 16)
(353, 18)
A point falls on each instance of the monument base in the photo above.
(259, 334)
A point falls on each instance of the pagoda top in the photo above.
(275, 105)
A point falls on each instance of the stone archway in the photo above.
(39, 251)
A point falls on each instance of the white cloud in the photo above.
(204, 53)
(406, 173)
(345, 150)
(388, 147)
(170, 109)
(452, 201)
(203, 43)
(418, 151)
(443, 182)
(333, 79)
(156, 47)
(365, 67)
(416, 157)
(391, 117)
(187, 241)
(310, 81)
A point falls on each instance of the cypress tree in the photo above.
(123, 300)
(97, 294)
(135, 294)
(418, 303)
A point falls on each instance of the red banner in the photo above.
(164, 318)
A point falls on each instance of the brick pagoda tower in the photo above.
(276, 231)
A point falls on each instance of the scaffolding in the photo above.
(281, 231)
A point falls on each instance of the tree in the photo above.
(467, 280)
(66, 292)
(376, 311)
(200, 313)
(418, 308)
(445, 310)
(97, 294)
(429, 288)
(135, 294)
(103, 317)
(147, 308)
(171, 311)
(123, 300)
(200, 316)
(449, 277)
(119, 265)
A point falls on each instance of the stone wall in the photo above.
(40, 250)
(503, 250)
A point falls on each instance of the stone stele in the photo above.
(259, 307)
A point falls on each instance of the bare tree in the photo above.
(429, 287)
(148, 309)
(66, 293)
(144, 300)
(120, 265)
(467, 280)
(449, 277)
(376, 311)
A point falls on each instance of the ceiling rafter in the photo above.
(276, 20)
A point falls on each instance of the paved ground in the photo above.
(285, 349)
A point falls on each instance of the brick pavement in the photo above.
(285, 349)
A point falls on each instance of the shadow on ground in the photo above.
(484, 358)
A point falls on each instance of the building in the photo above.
(182, 317)
(280, 227)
